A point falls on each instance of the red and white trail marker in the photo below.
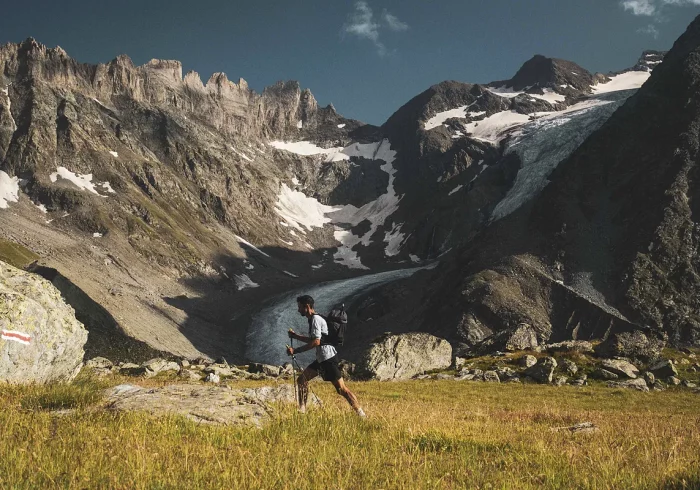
(15, 336)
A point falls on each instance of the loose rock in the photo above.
(405, 355)
(663, 369)
(528, 361)
(637, 384)
(621, 368)
(542, 371)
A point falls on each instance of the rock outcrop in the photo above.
(41, 339)
(396, 357)
(204, 404)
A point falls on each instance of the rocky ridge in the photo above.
(182, 187)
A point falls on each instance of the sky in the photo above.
(367, 58)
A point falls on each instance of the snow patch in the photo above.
(394, 239)
(297, 209)
(494, 128)
(83, 182)
(241, 154)
(97, 235)
(295, 181)
(114, 153)
(243, 281)
(9, 189)
(625, 81)
(341, 126)
(300, 124)
(317, 266)
(414, 258)
(456, 188)
(291, 244)
(290, 274)
(42, 208)
(242, 240)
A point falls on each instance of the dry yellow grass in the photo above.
(419, 434)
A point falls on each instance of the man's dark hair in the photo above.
(306, 300)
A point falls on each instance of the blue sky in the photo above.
(367, 58)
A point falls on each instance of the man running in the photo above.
(326, 363)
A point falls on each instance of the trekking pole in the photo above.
(308, 384)
(294, 374)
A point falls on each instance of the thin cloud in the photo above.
(650, 8)
(651, 30)
(393, 22)
(361, 23)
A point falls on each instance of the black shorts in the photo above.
(328, 369)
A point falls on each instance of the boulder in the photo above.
(542, 371)
(649, 378)
(621, 368)
(663, 369)
(212, 378)
(673, 380)
(688, 384)
(582, 346)
(560, 380)
(523, 337)
(568, 366)
(40, 338)
(205, 403)
(580, 381)
(505, 373)
(190, 375)
(527, 361)
(636, 344)
(637, 384)
(405, 355)
(491, 377)
(286, 369)
(99, 363)
(601, 373)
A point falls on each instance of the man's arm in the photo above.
(301, 338)
(310, 345)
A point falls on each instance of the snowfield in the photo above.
(625, 81)
(300, 211)
(9, 189)
(83, 182)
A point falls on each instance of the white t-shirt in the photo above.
(318, 326)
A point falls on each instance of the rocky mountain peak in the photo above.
(542, 72)
(122, 60)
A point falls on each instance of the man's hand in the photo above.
(292, 334)
(290, 351)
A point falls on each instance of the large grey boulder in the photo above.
(41, 340)
(205, 403)
(645, 346)
(522, 337)
(621, 368)
(542, 371)
(637, 384)
(663, 369)
(405, 355)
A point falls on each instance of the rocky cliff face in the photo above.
(173, 206)
(610, 245)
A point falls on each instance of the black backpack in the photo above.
(337, 321)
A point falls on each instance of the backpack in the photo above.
(337, 321)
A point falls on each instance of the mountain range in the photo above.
(168, 210)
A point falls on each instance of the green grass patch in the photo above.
(15, 254)
(82, 393)
(427, 434)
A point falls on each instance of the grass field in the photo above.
(419, 434)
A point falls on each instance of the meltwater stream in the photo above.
(267, 335)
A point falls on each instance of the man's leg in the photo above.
(303, 382)
(348, 395)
